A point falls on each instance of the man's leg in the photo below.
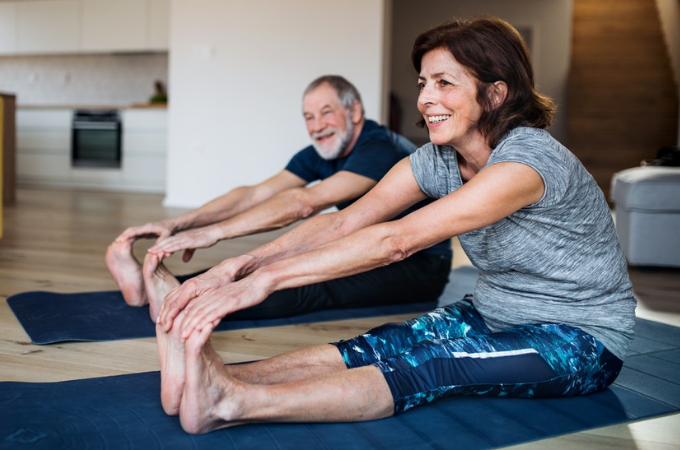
(212, 399)
(420, 278)
(126, 272)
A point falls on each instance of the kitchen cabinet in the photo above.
(9, 17)
(43, 146)
(48, 26)
(158, 23)
(113, 26)
(83, 26)
(145, 144)
(44, 152)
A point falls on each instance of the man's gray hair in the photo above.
(346, 91)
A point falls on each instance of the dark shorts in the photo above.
(419, 278)
(451, 351)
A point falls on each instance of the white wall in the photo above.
(550, 22)
(237, 72)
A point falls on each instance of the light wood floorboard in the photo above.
(56, 239)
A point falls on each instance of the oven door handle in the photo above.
(95, 125)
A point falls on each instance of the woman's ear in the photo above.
(497, 93)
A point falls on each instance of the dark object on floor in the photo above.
(666, 156)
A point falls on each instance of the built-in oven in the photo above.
(96, 138)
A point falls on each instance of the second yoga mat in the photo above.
(49, 317)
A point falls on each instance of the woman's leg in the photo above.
(314, 363)
(383, 342)
(212, 399)
(386, 341)
(452, 321)
(456, 320)
(549, 360)
(302, 370)
(528, 361)
(291, 366)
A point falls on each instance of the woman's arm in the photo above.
(381, 203)
(395, 193)
(491, 195)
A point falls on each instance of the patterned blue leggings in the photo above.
(451, 351)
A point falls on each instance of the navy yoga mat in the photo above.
(124, 412)
(49, 317)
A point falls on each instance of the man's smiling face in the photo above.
(328, 122)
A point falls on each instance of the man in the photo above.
(349, 155)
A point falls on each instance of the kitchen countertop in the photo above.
(96, 107)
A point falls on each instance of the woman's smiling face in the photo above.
(448, 100)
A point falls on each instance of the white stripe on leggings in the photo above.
(525, 351)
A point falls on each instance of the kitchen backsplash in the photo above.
(82, 79)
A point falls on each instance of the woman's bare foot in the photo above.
(210, 398)
(158, 281)
(213, 399)
(171, 357)
(126, 272)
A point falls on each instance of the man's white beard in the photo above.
(341, 141)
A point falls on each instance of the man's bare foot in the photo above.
(171, 357)
(126, 272)
(210, 398)
(158, 281)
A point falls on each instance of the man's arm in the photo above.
(232, 203)
(276, 212)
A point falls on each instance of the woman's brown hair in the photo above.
(492, 50)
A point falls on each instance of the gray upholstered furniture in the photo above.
(647, 206)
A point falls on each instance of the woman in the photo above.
(552, 313)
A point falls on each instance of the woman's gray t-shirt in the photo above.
(555, 261)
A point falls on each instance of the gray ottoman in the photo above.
(647, 205)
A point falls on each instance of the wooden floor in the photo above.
(55, 240)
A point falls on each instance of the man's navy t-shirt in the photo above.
(374, 154)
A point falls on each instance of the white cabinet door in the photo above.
(119, 25)
(8, 27)
(48, 26)
(159, 24)
(145, 143)
(86, 26)
(44, 146)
